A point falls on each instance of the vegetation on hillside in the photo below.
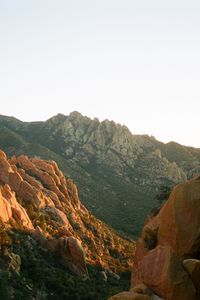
(114, 170)
(42, 277)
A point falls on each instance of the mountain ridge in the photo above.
(78, 114)
(107, 162)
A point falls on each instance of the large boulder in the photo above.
(167, 257)
(139, 292)
(10, 209)
(76, 255)
(179, 220)
(161, 270)
(169, 238)
(193, 268)
(5, 208)
(70, 253)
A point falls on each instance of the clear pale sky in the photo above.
(134, 62)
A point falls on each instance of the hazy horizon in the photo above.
(134, 62)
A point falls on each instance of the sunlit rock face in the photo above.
(35, 196)
(167, 258)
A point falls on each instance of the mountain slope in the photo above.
(118, 173)
(43, 221)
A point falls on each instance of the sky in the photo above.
(134, 62)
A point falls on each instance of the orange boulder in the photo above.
(70, 253)
(179, 220)
(192, 266)
(11, 209)
(5, 208)
(161, 271)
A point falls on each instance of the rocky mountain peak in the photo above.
(76, 115)
(126, 167)
(57, 119)
(78, 120)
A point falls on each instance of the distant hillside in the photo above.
(118, 173)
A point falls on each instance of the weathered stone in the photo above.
(5, 209)
(59, 217)
(11, 261)
(11, 209)
(70, 253)
(3, 155)
(175, 227)
(142, 289)
(161, 271)
(77, 256)
(5, 170)
(33, 189)
(192, 266)
(130, 296)
(15, 262)
(104, 276)
(40, 236)
(185, 236)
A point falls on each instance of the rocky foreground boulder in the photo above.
(167, 260)
(37, 198)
